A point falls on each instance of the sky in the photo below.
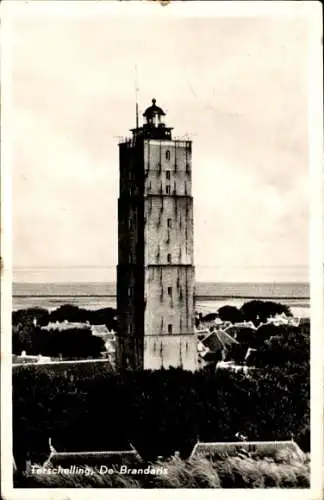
(237, 85)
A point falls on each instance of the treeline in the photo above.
(158, 412)
(29, 333)
(74, 314)
(257, 311)
(71, 343)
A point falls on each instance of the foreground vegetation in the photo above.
(160, 412)
(281, 471)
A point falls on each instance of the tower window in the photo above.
(169, 222)
(167, 155)
(168, 174)
(170, 290)
(169, 258)
(168, 189)
(130, 328)
(169, 328)
(129, 291)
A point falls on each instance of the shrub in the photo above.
(246, 474)
(232, 472)
(205, 474)
(158, 412)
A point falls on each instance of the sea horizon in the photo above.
(267, 288)
(209, 296)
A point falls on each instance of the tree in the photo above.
(208, 317)
(30, 316)
(259, 311)
(288, 344)
(230, 313)
(22, 338)
(74, 343)
(68, 312)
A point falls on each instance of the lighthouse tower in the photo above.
(155, 272)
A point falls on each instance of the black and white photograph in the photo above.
(161, 178)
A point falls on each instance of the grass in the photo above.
(232, 472)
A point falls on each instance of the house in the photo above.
(108, 337)
(29, 358)
(245, 324)
(219, 450)
(218, 341)
(238, 330)
(232, 367)
(282, 319)
(250, 355)
(65, 325)
(110, 458)
(101, 331)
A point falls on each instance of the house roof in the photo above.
(99, 329)
(92, 458)
(259, 448)
(218, 340)
(244, 324)
(65, 325)
(234, 329)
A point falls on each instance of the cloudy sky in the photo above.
(237, 85)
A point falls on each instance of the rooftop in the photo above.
(108, 457)
(260, 448)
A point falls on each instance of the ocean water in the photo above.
(209, 296)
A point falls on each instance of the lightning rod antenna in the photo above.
(136, 94)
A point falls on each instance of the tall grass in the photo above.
(231, 472)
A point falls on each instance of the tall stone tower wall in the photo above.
(168, 241)
(155, 275)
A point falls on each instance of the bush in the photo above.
(284, 344)
(159, 412)
(246, 473)
(232, 472)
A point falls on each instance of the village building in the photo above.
(245, 448)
